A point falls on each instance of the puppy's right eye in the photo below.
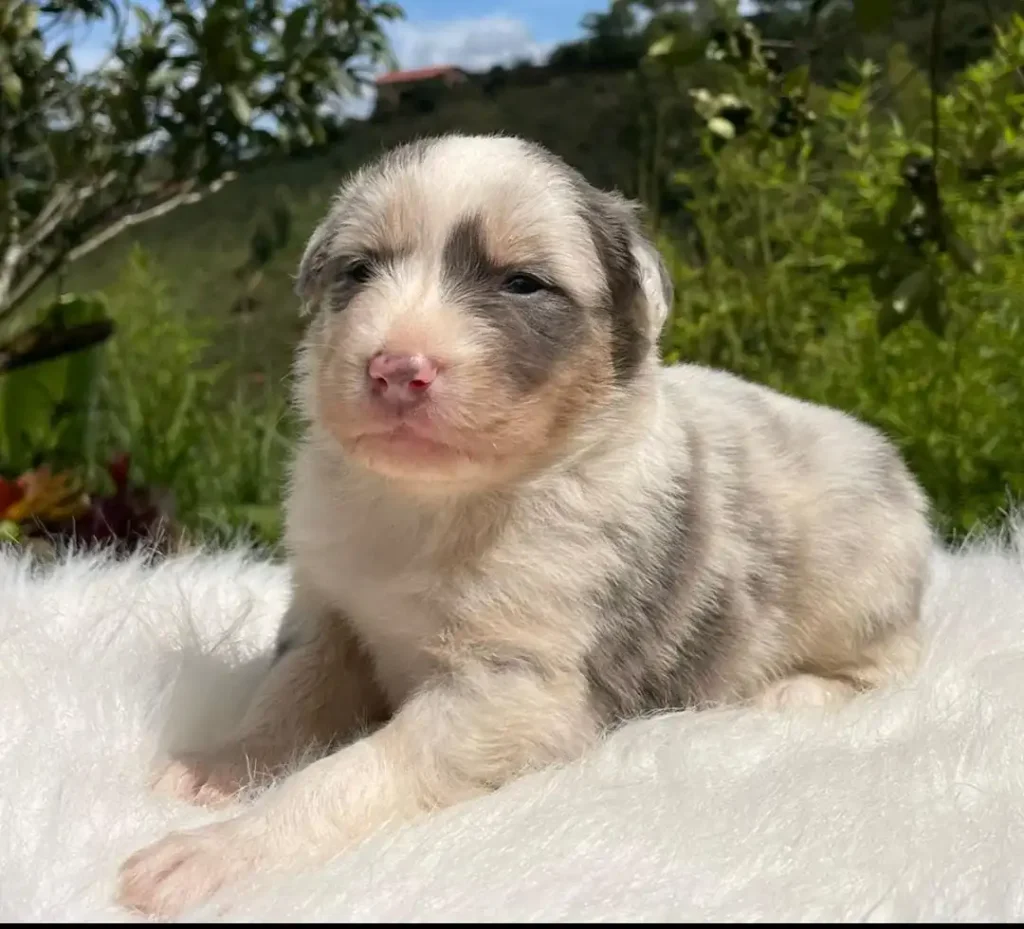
(522, 285)
(359, 272)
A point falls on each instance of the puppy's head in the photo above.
(478, 305)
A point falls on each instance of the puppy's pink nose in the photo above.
(401, 378)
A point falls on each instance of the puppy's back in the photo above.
(815, 499)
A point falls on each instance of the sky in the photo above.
(477, 34)
(474, 34)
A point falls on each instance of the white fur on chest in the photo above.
(372, 567)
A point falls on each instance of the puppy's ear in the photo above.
(639, 285)
(654, 279)
(311, 280)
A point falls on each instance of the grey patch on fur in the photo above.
(537, 330)
(516, 663)
(776, 431)
(771, 556)
(286, 642)
(313, 264)
(615, 227)
(612, 227)
(318, 277)
(334, 290)
(666, 621)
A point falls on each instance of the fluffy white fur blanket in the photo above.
(905, 806)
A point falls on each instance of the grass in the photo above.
(193, 428)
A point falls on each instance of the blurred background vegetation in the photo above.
(837, 185)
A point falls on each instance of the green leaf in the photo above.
(46, 404)
(797, 79)
(28, 400)
(870, 15)
(910, 291)
(75, 309)
(239, 105)
(294, 26)
(933, 309)
(317, 131)
(389, 11)
(81, 381)
(680, 49)
(167, 77)
(11, 85)
(965, 258)
(889, 320)
(661, 46)
(857, 268)
(181, 411)
(904, 303)
(144, 16)
(722, 127)
(902, 209)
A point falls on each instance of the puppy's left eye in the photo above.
(359, 272)
(522, 285)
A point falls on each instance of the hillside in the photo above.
(197, 248)
(596, 119)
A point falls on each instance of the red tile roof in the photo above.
(417, 74)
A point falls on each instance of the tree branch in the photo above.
(184, 198)
(28, 284)
(34, 279)
(63, 206)
(11, 257)
(12, 238)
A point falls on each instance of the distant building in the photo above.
(396, 87)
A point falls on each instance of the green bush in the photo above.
(808, 262)
(196, 429)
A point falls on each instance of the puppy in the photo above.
(511, 528)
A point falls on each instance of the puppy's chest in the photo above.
(402, 583)
(395, 590)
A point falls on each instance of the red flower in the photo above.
(10, 493)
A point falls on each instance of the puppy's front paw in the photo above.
(182, 870)
(216, 778)
(207, 780)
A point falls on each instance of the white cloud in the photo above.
(474, 44)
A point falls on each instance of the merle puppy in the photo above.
(512, 528)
